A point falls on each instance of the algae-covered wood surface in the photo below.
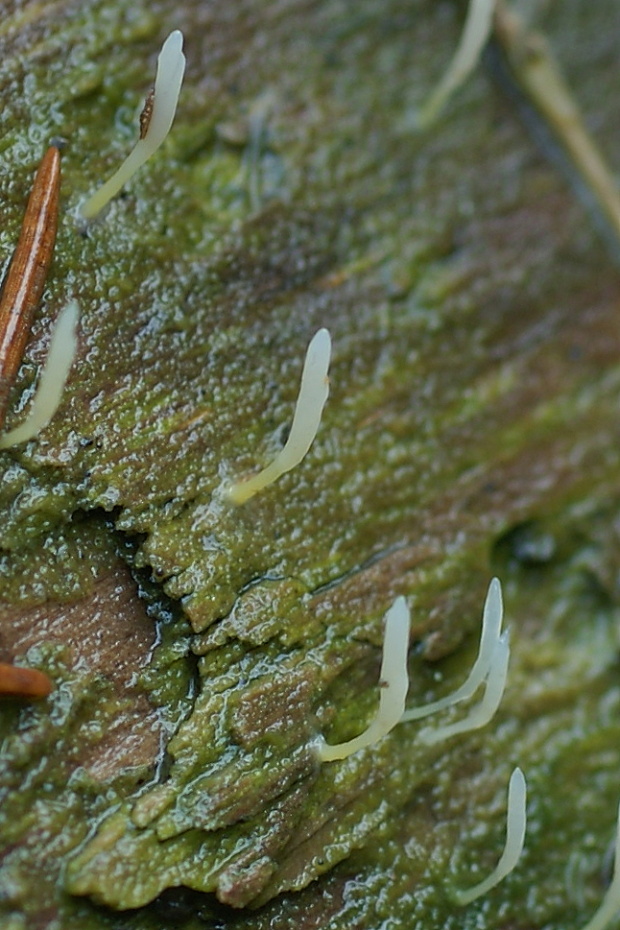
(197, 648)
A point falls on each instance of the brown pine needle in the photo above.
(25, 279)
(538, 73)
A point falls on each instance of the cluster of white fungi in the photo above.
(489, 671)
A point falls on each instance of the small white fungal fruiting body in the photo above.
(490, 669)
(516, 822)
(168, 80)
(394, 686)
(63, 345)
(488, 653)
(474, 37)
(313, 392)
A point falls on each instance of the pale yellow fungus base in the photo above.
(394, 686)
(483, 712)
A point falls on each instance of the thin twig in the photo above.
(536, 70)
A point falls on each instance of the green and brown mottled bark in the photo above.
(472, 428)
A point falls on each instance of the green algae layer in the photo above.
(199, 649)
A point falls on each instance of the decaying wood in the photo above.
(470, 430)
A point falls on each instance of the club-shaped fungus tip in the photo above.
(157, 118)
(516, 822)
(313, 393)
(63, 345)
(492, 617)
(394, 686)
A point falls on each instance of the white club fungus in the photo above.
(168, 80)
(483, 712)
(393, 691)
(491, 626)
(516, 820)
(610, 906)
(313, 393)
(63, 344)
(474, 37)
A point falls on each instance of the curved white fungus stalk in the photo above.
(394, 685)
(483, 712)
(168, 80)
(492, 616)
(63, 344)
(313, 393)
(610, 906)
(474, 37)
(516, 821)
